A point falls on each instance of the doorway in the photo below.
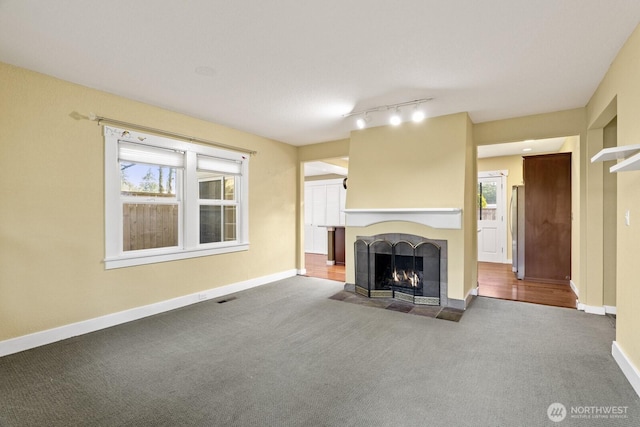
(495, 277)
(324, 195)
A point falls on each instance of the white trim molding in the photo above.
(490, 174)
(37, 339)
(610, 309)
(627, 367)
(574, 288)
(450, 218)
(592, 309)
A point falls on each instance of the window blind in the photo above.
(139, 153)
(214, 164)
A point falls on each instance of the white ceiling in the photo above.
(290, 69)
(521, 148)
(323, 168)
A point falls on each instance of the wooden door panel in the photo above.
(547, 180)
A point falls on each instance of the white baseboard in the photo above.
(301, 272)
(26, 342)
(574, 288)
(592, 309)
(628, 369)
(472, 292)
(610, 309)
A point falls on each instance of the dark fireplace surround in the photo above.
(405, 267)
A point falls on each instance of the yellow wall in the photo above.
(610, 218)
(572, 145)
(425, 165)
(52, 211)
(622, 86)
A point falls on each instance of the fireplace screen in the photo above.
(402, 270)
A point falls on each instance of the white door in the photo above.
(491, 220)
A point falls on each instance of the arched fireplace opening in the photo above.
(400, 266)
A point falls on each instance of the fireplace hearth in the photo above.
(405, 267)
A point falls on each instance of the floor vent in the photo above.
(222, 301)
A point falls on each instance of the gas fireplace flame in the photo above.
(411, 278)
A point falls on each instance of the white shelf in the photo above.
(616, 153)
(630, 154)
(630, 164)
(433, 217)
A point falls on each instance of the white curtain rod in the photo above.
(100, 119)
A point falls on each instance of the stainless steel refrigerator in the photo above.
(517, 230)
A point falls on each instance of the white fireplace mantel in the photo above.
(433, 217)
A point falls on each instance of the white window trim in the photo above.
(189, 246)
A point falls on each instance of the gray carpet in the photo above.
(285, 354)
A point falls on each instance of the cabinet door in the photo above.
(547, 181)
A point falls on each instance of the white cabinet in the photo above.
(323, 205)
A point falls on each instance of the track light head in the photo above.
(395, 118)
(362, 121)
(418, 115)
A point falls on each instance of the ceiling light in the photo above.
(527, 149)
(418, 115)
(395, 118)
(362, 121)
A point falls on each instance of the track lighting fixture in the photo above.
(395, 119)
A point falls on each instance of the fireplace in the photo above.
(401, 266)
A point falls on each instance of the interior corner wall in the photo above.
(415, 165)
(610, 218)
(52, 239)
(572, 145)
(470, 220)
(622, 86)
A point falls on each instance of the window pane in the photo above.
(487, 199)
(211, 190)
(217, 187)
(148, 226)
(229, 188)
(138, 179)
(229, 223)
(210, 224)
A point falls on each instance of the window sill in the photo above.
(130, 261)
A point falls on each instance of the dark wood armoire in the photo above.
(547, 180)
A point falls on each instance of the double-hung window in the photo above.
(167, 199)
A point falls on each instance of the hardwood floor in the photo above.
(316, 265)
(494, 280)
(498, 281)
